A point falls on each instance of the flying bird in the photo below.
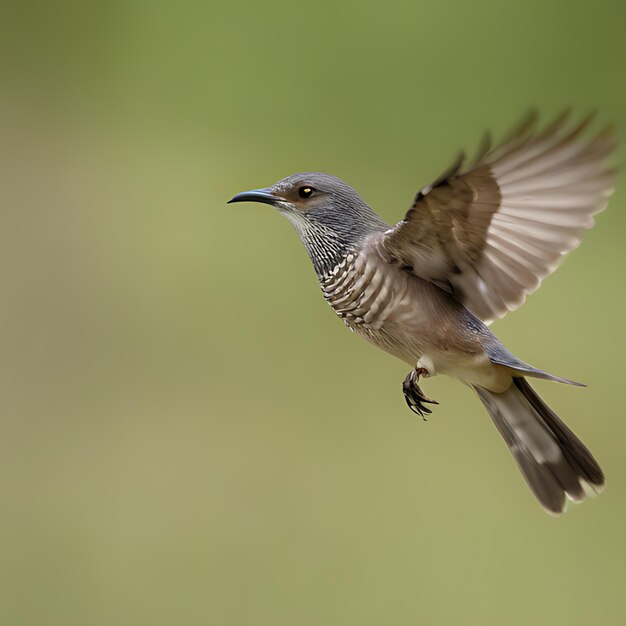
(472, 246)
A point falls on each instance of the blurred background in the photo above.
(188, 435)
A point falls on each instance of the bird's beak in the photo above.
(256, 195)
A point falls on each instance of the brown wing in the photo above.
(490, 234)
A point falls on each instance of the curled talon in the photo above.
(414, 396)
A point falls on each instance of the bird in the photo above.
(473, 245)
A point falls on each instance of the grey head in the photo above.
(329, 216)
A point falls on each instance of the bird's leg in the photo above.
(413, 395)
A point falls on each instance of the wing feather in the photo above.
(491, 233)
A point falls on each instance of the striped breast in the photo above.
(365, 291)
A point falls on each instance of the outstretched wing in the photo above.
(491, 233)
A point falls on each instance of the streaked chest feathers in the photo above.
(366, 292)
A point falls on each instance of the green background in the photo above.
(188, 435)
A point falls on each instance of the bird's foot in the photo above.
(414, 396)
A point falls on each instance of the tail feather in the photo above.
(554, 462)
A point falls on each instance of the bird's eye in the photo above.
(305, 192)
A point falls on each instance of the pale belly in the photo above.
(451, 360)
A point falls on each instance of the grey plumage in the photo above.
(554, 462)
(471, 247)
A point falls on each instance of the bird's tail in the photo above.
(554, 462)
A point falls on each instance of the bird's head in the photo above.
(326, 212)
(307, 195)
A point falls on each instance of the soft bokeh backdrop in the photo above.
(187, 434)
